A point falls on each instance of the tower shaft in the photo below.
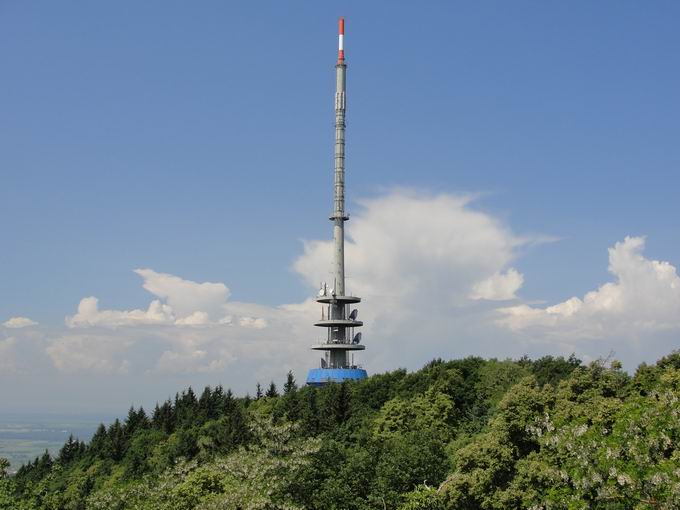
(341, 342)
(339, 216)
(338, 310)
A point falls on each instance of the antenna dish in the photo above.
(357, 338)
(322, 290)
(353, 314)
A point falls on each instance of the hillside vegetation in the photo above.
(462, 434)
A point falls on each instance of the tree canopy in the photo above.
(546, 434)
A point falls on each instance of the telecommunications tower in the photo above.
(337, 317)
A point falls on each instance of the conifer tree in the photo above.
(100, 446)
(272, 391)
(69, 452)
(290, 385)
(229, 402)
(310, 412)
(291, 398)
(217, 400)
(136, 420)
(258, 392)
(156, 417)
(166, 418)
(117, 438)
(43, 465)
(206, 406)
(338, 403)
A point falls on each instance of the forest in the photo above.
(551, 433)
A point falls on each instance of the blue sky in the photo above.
(196, 140)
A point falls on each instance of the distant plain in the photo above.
(23, 437)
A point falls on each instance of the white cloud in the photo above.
(427, 269)
(405, 243)
(195, 319)
(416, 277)
(186, 297)
(498, 287)
(89, 314)
(643, 299)
(19, 322)
(97, 353)
(182, 303)
(252, 322)
(416, 260)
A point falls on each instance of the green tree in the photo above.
(552, 370)
(100, 444)
(290, 386)
(433, 412)
(8, 500)
(272, 391)
(291, 398)
(116, 435)
(337, 404)
(137, 459)
(310, 412)
(422, 498)
(484, 468)
(70, 451)
(257, 477)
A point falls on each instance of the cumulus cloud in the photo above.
(428, 283)
(89, 314)
(643, 298)
(498, 287)
(418, 277)
(405, 243)
(19, 322)
(417, 261)
(186, 297)
(430, 269)
(195, 319)
(182, 302)
(252, 322)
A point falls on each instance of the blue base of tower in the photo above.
(320, 376)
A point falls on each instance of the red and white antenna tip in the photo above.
(341, 41)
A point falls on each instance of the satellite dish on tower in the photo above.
(353, 314)
(322, 290)
(357, 338)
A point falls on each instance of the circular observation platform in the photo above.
(321, 376)
(334, 323)
(338, 347)
(338, 299)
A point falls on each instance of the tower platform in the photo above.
(338, 299)
(332, 323)
(321, 376)
(327, 346)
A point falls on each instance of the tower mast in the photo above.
(339, 216)
(336, 366)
